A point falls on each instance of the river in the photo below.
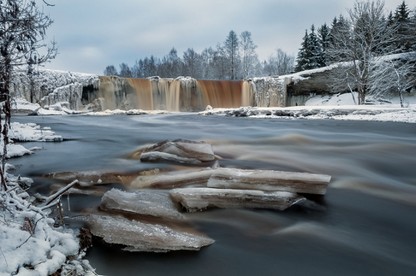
(364, 225)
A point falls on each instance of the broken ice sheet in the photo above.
(145, 237)
(142, 202)
(197, 199)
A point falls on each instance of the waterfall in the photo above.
(95, 93)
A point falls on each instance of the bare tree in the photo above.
(249, 56)
(22, 32)
(231, 53)
(110, 70)
(363, 41)
(393, 75)
(192, 63)
(280, 63)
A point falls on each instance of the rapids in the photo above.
(364, 225)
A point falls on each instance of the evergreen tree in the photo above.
(315, 50)
(340, 28)
(303, 55)
(405, 29)
(310, 55)
(324, 37)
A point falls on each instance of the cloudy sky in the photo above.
(92, 34)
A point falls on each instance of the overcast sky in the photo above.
(92, 34)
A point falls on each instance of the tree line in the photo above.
(375, 51)
(320, 47)
(235, 58)
(363, 38)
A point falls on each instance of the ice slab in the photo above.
(143, 202)
(197, 199)
(269, 180)
(145, 237)
(181, 151)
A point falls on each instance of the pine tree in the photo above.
(310, 55)
(324, 37)
(315, 50)
(405, 29)
(303, 55)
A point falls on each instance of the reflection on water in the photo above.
(364, 225)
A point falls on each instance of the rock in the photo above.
(269, 180)
(145, 237)
(197, 199)
(180, 151)
(143, 202)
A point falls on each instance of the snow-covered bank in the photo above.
(348, 112)
(30, 244)
(338, 107)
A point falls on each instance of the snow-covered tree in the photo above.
(125, 70)
(232, 55)
(192, 64)
(248, 53)
(324, 40)
(22, 33)
(310, 55)
(279, 64)
(362, 42)
(110, 70)
(405, 28)
(393, 76)
(303, 57)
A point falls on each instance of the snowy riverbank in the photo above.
(337, 107)
(30, 243)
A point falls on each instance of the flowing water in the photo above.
(364, 225)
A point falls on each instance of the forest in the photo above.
(367, 29)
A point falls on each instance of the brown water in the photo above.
(173, 94)
(365, 224)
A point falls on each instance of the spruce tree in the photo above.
(315, 50)
(405, 29)
(303, 55)
(324, 36)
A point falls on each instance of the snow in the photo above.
(336, 107)
(30, 244)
